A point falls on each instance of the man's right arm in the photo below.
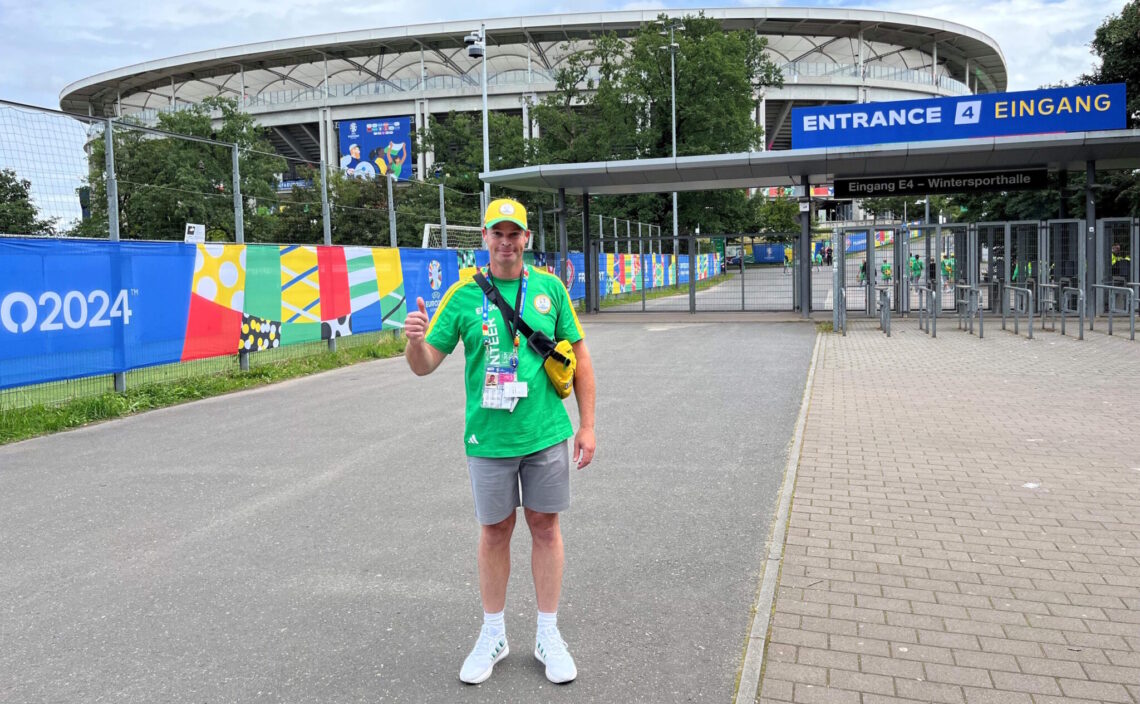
(421, 356)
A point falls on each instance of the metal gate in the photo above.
(1117, 241)
(652, 273)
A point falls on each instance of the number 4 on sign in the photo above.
(122, 307)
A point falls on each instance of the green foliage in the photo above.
(624, 111)
(612, 101)
(18, 214)
(776, 216)
(1117, 43)
(166, 182)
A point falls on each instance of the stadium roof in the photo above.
(301, 62)
(1119, 149)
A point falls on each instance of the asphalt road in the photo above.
(314, 541)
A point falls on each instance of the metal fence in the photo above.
(1012, 269)
(77, 176)
(107, 178)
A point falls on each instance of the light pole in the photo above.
(672, 25)
(477, 48)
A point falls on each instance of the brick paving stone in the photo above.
(966, 523)
(994, 696)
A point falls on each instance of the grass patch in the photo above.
(825, 326)
(40, 419)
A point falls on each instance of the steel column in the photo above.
(1090, 220)
(541, 231)
(563, 252)
(805, 252)
(591, 261)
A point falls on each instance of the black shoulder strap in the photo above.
(508, 312)
(522, 326)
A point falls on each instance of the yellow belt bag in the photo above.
(558, 357)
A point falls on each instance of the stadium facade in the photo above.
(301, 88)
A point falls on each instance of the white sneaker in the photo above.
(550, 650)
(488, 650)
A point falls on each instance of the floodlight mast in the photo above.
(477, 48)
(672, 25)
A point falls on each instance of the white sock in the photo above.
(495, 623)
(547, 621)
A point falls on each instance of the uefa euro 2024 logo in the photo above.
(435, 275)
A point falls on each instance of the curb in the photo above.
(747, 689)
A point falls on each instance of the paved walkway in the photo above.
(313, 542)
(966, 523)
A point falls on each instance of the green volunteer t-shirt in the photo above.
(916, 269)
(539, 420)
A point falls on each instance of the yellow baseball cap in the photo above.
(505, 209)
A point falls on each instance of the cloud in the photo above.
(1044, 41)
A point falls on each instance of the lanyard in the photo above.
(520, 299)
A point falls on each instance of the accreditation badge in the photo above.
(501, 392)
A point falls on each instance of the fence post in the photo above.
(442, 219)
(641, 263)
(391, 215)
(120, 378)
(326, 215)
(692, 274)
(541, 232)
(239, 237)
(112, 184)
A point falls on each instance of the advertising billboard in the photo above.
(1053, 110)
(376, 147)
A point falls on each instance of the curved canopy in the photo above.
(404, 56)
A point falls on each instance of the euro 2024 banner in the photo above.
(376, 147)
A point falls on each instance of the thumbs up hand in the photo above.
(415, 325)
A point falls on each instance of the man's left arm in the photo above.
(584, 392)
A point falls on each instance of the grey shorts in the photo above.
(542, 478)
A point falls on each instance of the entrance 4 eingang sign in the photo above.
(1075, 109)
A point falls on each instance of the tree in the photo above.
(612, 101)
(1117, 43)
(775, 216)
(18, 214)
(166, 182)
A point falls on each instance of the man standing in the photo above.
(516, 446)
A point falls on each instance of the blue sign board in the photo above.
(428, 273)
(768, 253)
(1075, 109)
(70, 309)
(376, 147)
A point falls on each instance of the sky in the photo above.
(51, 43)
